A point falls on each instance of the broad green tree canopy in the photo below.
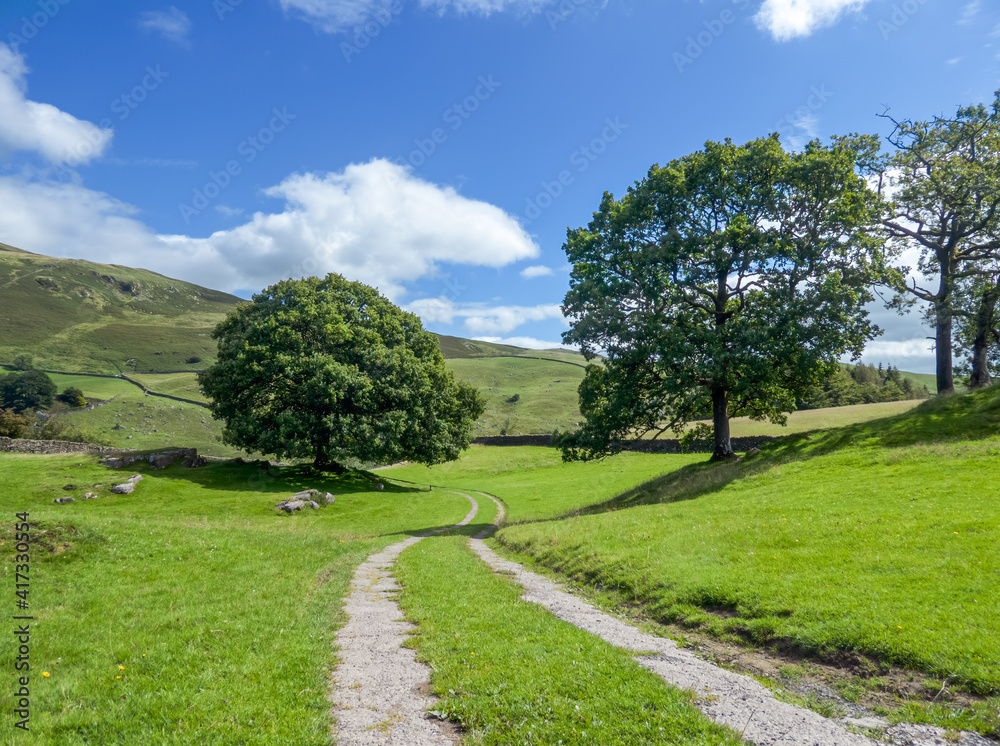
(724, 283)
(331, 370)
(27, 390)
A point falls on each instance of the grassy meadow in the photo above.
(190, 611)
(871, 544)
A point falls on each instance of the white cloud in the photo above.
(970, 11)
(333, 16)
(373, 222)
(528, 342)
(486, 7)
(31, 126)
(172, 24)
(479, 318)
(789, 19)
(538, 270)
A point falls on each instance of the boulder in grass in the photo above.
(329, 498)
(135, 478)
(123, 489)
(290, 506)
(90, 496)
(60, 500)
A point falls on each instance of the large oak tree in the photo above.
(331, 370)
(725, 283)
(944, 179)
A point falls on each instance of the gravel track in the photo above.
(378, 686)
(729, 698)
(378, 689)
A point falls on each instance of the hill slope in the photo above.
(82, 316)
(79, 316)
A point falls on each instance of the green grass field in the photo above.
(512, 673)
(189, 612)
(546, 393)
(148, 422)
(176, 384)
(93, 387)
(816, 419)
(875, 539)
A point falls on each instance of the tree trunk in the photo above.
(322, 461)
(942, 327)
(720, 424)
(942, 340)
(985, 316)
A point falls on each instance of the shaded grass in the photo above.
(510, 672)
(220, 610)
(536, 484)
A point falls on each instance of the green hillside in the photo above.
(82, 316)
(79, 316)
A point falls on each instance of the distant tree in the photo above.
(728, 281)
(24, 361)
(331, 370)
(944, 178)
(29, 390)
(73, 396)
(13, 425)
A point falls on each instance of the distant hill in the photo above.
(82, 316)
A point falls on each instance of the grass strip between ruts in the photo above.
(510, 672)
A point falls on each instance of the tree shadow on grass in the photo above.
(257, 476)
(971, 416)
(471, 529)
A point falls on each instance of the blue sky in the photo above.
(437, 149)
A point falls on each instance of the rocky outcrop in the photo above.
(160, 459)
(304, 499)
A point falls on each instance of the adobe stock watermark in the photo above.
(789, 126)
(563, 12)
(699, 42)
(223, 8)
(128, 102)
(365, 32)
(93, 143)
(31, 25)
(581, 159)
(249, 149)
(454, 116)
(901, 14)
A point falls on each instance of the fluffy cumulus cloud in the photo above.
(42, 128)
(173, 24)
(789, 19)
(480, 319)
(373, 222)
(537, 270)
